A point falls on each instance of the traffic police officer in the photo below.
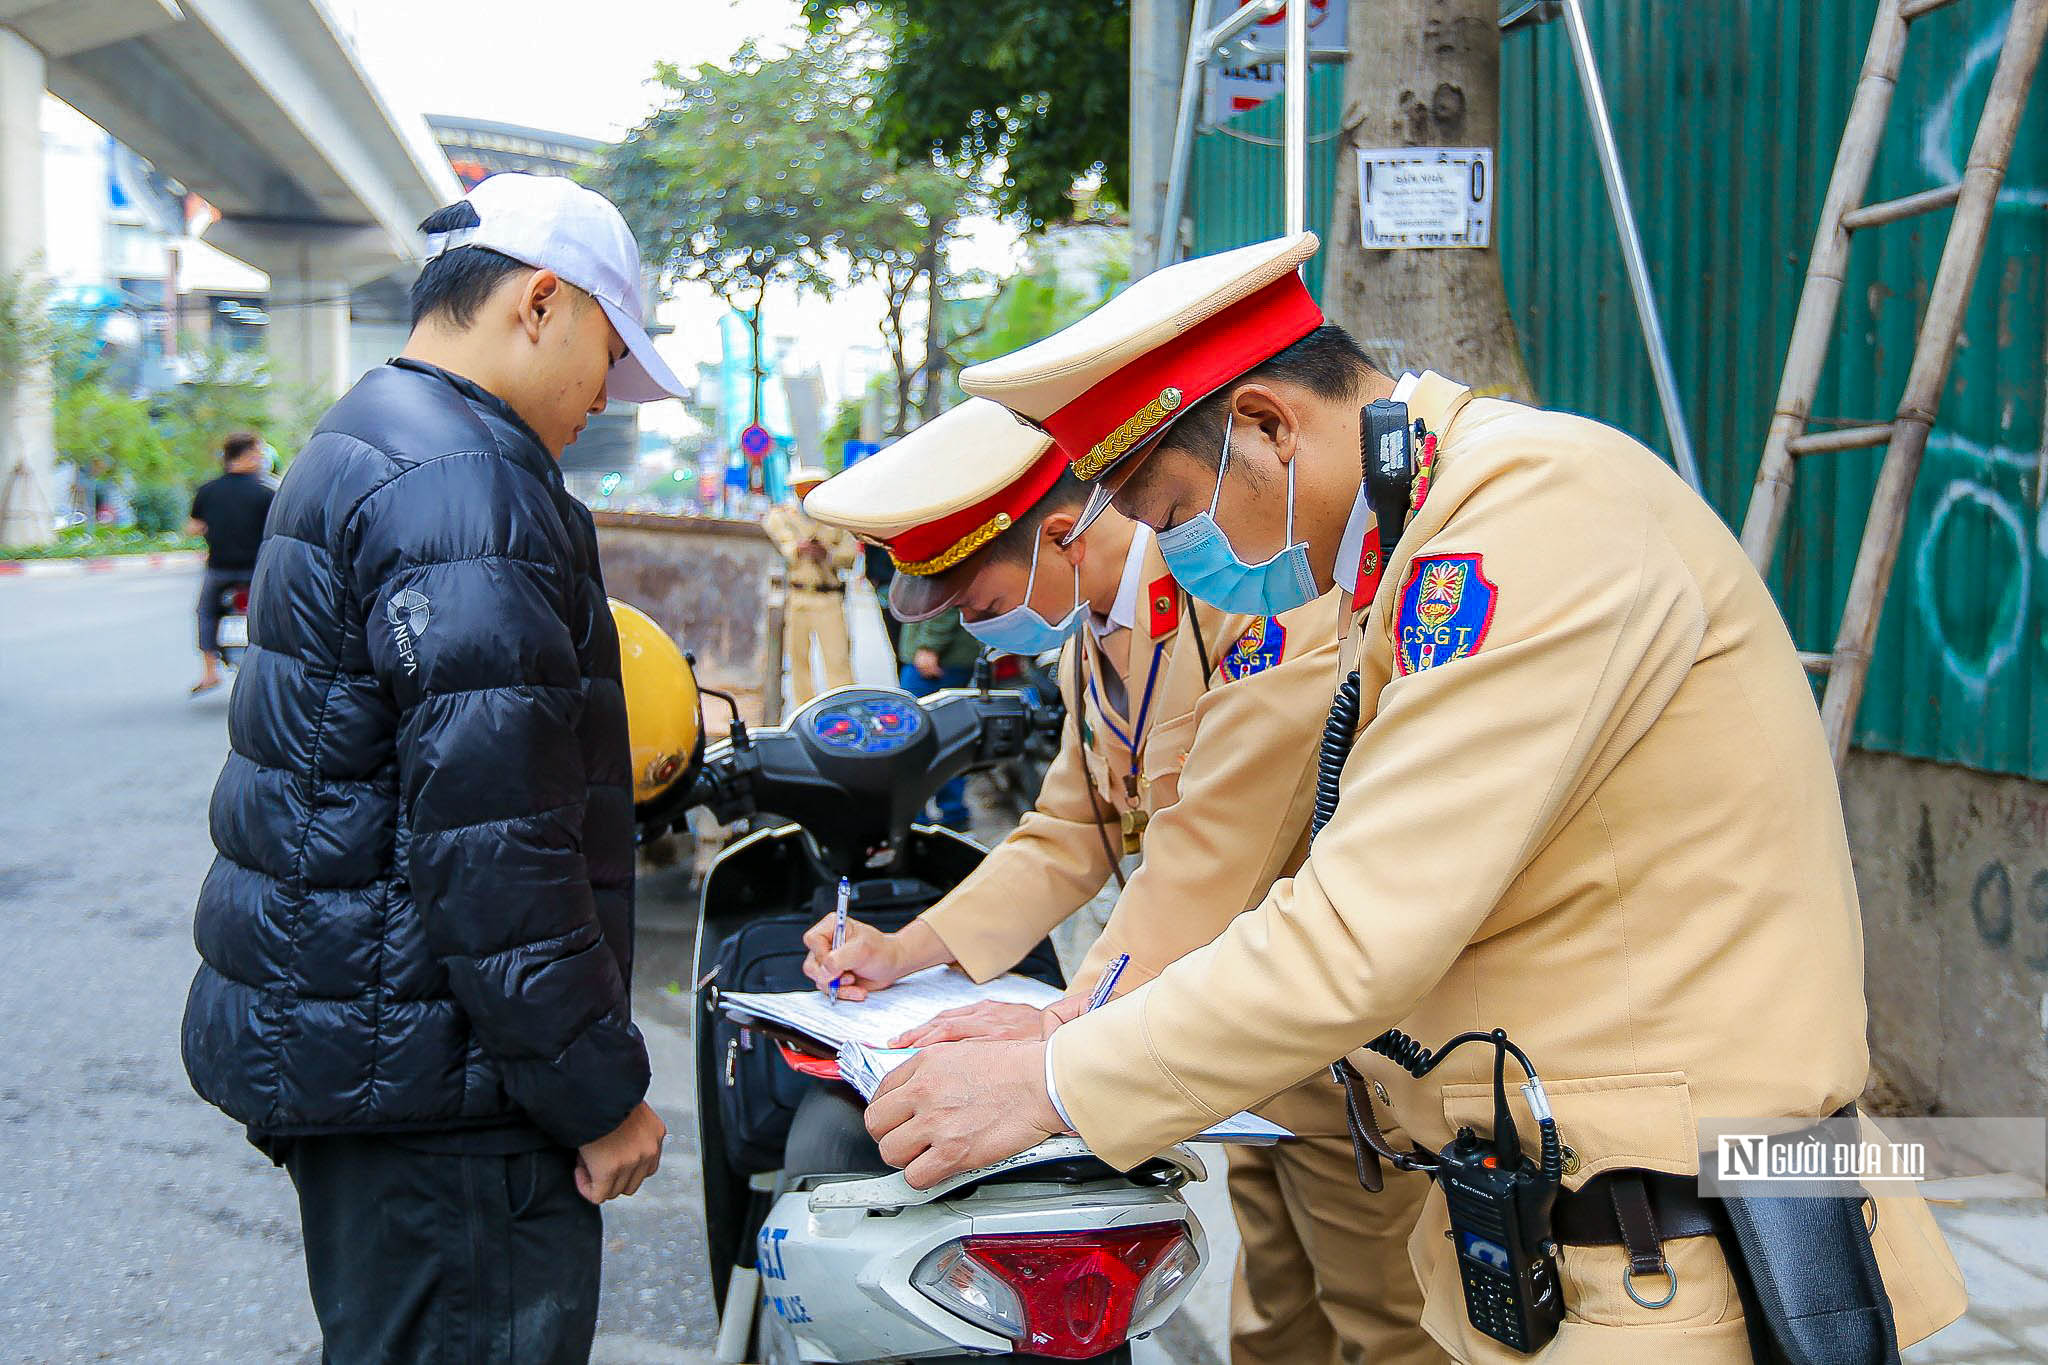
(1592, 806)
(1191, 734)
(819, 558)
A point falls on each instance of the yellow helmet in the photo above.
(664, 718)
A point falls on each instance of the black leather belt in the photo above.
(1608, 1210)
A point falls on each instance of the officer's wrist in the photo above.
(917, 946)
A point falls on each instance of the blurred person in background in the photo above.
(819, 558)
(939, 653)
(416, 940)
(228, 511)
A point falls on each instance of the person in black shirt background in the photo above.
(229, 512)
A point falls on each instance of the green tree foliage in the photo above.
(227, 391)
(27, 333)
(764, 171)
(1039, 88)
(107, 436)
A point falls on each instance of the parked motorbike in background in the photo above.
(818, 1250)
(234, 624)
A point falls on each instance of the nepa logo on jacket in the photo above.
(408, 611)
(1446, 609)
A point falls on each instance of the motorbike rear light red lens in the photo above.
(1077, 1293)
(240, 600)
(1008, 668)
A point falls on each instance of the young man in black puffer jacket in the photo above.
(417, 936)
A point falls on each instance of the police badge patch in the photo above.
(1446, 609)
(1257, 650)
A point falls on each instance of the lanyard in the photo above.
(1132, 741)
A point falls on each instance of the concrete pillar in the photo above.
(1159, 49)
(312, 268)
(26, 446)
(308, 333)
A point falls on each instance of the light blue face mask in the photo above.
(1020, 630)
(1202, 561)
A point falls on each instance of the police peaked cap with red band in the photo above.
(1107, 385)
(938, 495)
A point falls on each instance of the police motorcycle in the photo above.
(819, 1251)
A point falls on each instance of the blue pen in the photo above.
(839, 935)
(1100, 997)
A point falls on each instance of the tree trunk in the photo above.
(1423, 73)
(932, 402)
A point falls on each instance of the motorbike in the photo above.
(233, 635)
(818, 1250)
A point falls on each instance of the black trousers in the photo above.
(432, 1257)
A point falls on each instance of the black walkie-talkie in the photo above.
(1499, 1203)
(1386, 456)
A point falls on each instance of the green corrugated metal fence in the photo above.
(1728, 117)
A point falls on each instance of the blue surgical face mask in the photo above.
(1020, 630)
(1202, 561)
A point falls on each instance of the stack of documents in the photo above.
(884, 1014)
(861, 1029)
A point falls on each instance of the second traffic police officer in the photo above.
(819, 558)
(1591, 807)
(1190, 734)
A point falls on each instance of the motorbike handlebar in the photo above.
(874, 789)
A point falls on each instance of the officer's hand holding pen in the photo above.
(869, 959)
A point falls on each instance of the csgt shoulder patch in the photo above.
(1258, 649)
(1446, 609)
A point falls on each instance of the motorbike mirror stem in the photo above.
(736, 730)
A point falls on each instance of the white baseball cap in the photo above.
(552, 223)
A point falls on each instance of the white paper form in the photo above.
(863, 1068)
(886, 1013)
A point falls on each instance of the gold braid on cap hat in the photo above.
(1118, 443)
(959, 550)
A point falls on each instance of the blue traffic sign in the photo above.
(755, 440)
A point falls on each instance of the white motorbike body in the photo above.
(840, 1262)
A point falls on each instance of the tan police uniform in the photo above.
(1191, 738)
(1592, 806)
(816, 608)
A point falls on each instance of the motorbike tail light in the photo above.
(239, 600)
(1067, 1295)
(1008, 669)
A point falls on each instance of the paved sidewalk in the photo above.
(2002, 1246)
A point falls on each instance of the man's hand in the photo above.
(869, 959)
(988, 1019)
(616, 1163)
(926, 662)
(957, 1106)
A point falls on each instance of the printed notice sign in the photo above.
(1425, 196)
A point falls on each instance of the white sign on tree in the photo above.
(1413, 197)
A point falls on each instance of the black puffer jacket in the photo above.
(421, 913)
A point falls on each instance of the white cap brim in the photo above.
(642, 376)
